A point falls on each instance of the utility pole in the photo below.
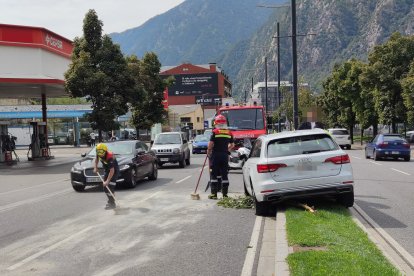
(279, 127)
(295, 67)
(266, 89)
(252, 86)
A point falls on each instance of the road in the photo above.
(385, 191)
(49, 229)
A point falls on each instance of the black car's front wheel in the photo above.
(132, 181)
(154, 174)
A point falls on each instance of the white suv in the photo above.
(297, 164)
(341, 137)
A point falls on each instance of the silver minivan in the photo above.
(171, 147)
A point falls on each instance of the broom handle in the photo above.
(198, 182)
(106, 186)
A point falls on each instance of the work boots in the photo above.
(213, 194)
(224, 191)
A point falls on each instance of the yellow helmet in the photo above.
(101, 150)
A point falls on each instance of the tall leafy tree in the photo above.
(149, 110)
(389, 63)
(408, 94)
(99, 73)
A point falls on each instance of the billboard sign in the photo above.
(194, 84)
(208, 100)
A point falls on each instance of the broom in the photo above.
(195, 196)
(116, 201)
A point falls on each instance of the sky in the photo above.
(65, 17)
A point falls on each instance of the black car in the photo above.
(135, 161)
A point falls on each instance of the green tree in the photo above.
(408, 94)
(389, 63)
(149, 110)
(99, 73)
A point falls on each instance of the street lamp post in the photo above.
(295, 67)
(279, 127)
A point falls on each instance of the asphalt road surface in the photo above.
(49, 229)
(385, 191)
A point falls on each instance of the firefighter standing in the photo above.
(111, 167)
(221, 142)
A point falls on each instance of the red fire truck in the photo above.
(245, 121)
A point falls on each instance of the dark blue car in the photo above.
(388, 146)
(200, 144)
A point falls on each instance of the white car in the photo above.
(341, 137)
(297, 164)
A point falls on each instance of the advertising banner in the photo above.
(194, 84)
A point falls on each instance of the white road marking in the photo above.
(252, 250)
(44, 184)
(32, 200)
(356, 157)
(184, 179)
(48, 249)
(400, 171)
(373, 162)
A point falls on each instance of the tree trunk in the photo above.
(351, 133)
(362, 135)
(375, 130)
(394, 127)
(100, 135)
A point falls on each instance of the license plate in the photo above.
(50, 141)
(395, 152)
(164, 159)
(93, 179)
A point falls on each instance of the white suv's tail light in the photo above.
(338, 160)
(265, 168)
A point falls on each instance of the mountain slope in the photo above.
(344, 29)
(197, 31)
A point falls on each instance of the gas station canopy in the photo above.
(33, 62)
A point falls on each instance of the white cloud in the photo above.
(65, 17)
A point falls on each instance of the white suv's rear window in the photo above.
(300, 145)
(340, 132)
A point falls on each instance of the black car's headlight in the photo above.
(76, 170)
(124, 167)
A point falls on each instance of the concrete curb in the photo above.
(397, 255)
(282, 248)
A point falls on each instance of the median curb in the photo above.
(397, 255)
(282, 247)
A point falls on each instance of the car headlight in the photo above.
(176, 150)
(76, 170)
(124, 167)
(195, 146)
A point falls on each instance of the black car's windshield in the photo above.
(239, 119)
(117, 148)
(201, 138)
(162, 139)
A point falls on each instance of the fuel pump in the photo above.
(7, 145)
(39, 147)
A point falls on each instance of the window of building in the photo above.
(198, 119)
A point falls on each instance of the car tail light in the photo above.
(406, 145)
(265, 168)
(338, 160)
(383, 145)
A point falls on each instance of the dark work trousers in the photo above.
(220, 162)
(111, 186)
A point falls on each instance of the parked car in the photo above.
(135, 161)
(171, 147)
(200, 144)
(388, 146)
(341, 137)
(295, 164)
(409, 136)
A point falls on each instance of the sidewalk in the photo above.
(62, 154)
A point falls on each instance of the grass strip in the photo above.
(348, 250)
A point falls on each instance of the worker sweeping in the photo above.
(221, 142)
(111, 167)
